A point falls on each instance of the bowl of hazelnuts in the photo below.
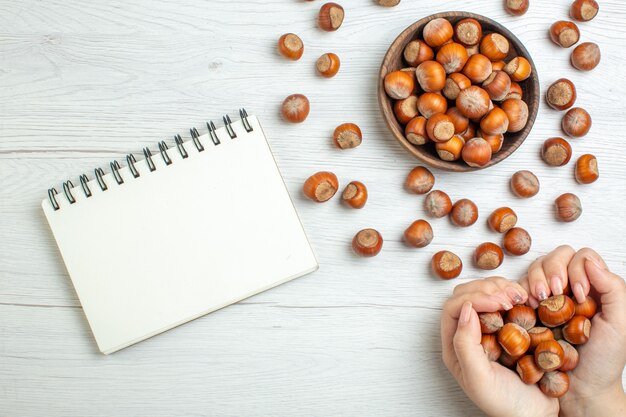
(459, 91)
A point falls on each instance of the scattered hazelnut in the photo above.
(452, 56)
(584, 10)
(420, 180)
(321, 186)
(328, 65)
(476, 152)
(561, 94)
(437, 32)
(330, 17)
(399, 84)
(419, 234)
(556, 152)
(524, 184)
(450, 150)
(494, 46)
(568, 207)
(347, 135)
(516, 7)
(586, 56)
(291, 46)
(517, 241)
(355, 195)
(415, 131)
(388, 3)
(564, 33)
(502, 219)
(488, 256)
(576, 122)
(295, 108)
(367, 243)
(586, 170)
(438, 204)
(416, 52)
(446, 265)
(468, 32)
(517, 112)
(431, 76)
(478, 68)
(464, 213)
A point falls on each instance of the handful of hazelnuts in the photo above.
(541, 353)
(446, 94)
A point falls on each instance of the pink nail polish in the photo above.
(532, 302)
(579, 293)
(542, 292)
(514, 295)
(465, 313)
(556, 285)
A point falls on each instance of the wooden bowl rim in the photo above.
(422, 154)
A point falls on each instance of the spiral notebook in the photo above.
(182, 232)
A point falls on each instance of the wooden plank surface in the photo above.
(84, 83)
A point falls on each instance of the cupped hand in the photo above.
(498, 391)
(597, 380)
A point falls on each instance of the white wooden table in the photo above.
(84, 83)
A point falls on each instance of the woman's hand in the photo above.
(498, 391)
(596, 383)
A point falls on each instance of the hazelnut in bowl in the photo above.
(459, 91)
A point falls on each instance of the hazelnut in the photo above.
(490, 322)
(415, 131)
(488, 256)
(587, 308)
(420, 180)
(494, 46)
(438, 204)
(431, 76)
(461, 123)
(586, 56)
(576, 122)
(440, 128)
(517, 241)
(518, 69)
(419, 234)
(568, 207)
(570, 356)
(515, 92)
(497, 85)
(430, 104)
(330, 17)
(561, 94)
(295, 108)
(476, 152)
(473, 102)
(528, 370)
(516, 7)
(452, 56)
(564, 34)
(549, 355)
(416, 52)
(556, 310)
(498, 66)
(399, 84)
(454, 84)
(584, 10)
(495, 122)
(367, 243)
(495, 141)
(291, 46)
(517, 112)
(450, 150)
(388, 3)
(468, 32)
(464, 213)
(328, 65)
(502, 219)
(586, 170)
(478, 68)
(492, 348)
(556, 152)
(405, 109)
(355, 195)
(538, 335)
(576, 331)
(524, 184)
(437, 32)
(321, 186)
(469, 133)
(514, 339)
(554, 384)
(347, 135)
(446, 265)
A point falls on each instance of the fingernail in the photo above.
(556, 285)
(533, 303)
(515, 295)
(579, 293)
(503, 300)
(465, 313)
(597, 263)
(542, 291)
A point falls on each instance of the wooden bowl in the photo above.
(394, 61)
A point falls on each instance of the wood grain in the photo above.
(84, 83)
(394, 61)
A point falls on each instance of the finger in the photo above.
(512, 292)
(579, 283)
(531, 301)
(555, 268)
(473, 361)
(612, 291)
(537, 280)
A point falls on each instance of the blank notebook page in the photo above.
(181, 241)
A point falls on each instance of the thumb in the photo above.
(612, 291)
(475, 365)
